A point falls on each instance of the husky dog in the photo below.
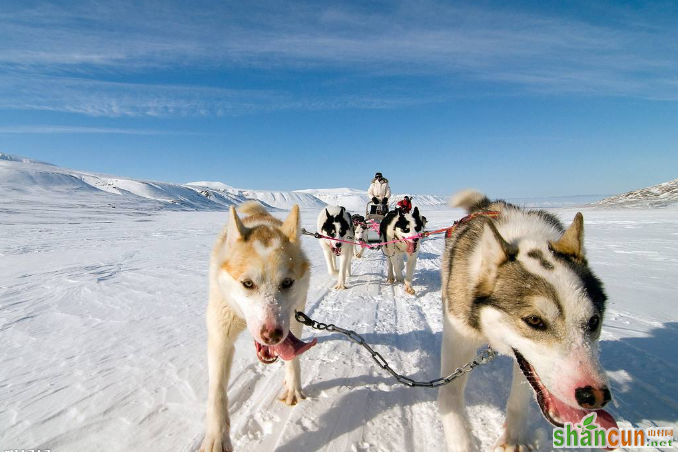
(335, 222)
(522, 284)
(395, 226)
(258, 276)
(360, 233)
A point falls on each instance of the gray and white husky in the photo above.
(335, 222)
(522, 284)
(396, 226)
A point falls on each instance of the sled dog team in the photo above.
(396, 228)
(519, 282)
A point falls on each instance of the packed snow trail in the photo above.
(104, 348)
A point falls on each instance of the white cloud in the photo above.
(48, 129)
(446, 44)
(114, 99)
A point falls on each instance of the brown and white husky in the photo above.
(258, 276)
(521, 283)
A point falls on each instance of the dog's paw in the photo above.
(358, 255)
(292, 396)
(508, 443)
(512, 447)
(340, 286)
(217, 442)
(390, 280)
(409, 289)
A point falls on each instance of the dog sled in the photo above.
(367, 227)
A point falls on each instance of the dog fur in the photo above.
(258, 276)
(522, 284)
(360, 233)
(397, 225)
(335, 222)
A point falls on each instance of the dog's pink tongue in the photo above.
(572, 415)
(411, 245)
(292, 347)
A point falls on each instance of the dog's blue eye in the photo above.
(249, 284)
(287, 283)
(535, 322)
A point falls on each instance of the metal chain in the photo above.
(484, 357)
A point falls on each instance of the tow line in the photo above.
(485, 356)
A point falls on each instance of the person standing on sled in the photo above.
(405, 204)
(380, 192)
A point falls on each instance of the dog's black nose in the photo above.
(592, 398)
(338, 245)
(271, 336)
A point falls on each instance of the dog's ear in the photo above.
(290, 226)
(571, 243)
(495, 251)
(415, 213)
(341, 212)
(236, 229)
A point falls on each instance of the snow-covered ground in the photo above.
(103, 337)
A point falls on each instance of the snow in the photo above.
(661, 195)
(214, 185)
(36, 184)
(356, 200)
(11, 158)
(104, 347)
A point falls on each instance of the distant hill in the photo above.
(11, 158)
(659, 196)
(38, 184)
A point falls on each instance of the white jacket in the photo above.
(379, 189)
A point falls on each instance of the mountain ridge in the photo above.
(658, 196)
(41, 182)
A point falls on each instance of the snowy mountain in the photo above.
(11, 158)
(39, 183)
(276, 199)
(659, 196)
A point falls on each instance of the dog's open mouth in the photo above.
(288, 349)
(411, 246)
(556, 411)
(336, 251)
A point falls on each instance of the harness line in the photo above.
(485, 356)
(426, 234)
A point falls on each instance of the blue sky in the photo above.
(515, 98)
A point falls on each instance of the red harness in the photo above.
(449, 231)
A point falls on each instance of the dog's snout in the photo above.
(592, 398)
(271, 336)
